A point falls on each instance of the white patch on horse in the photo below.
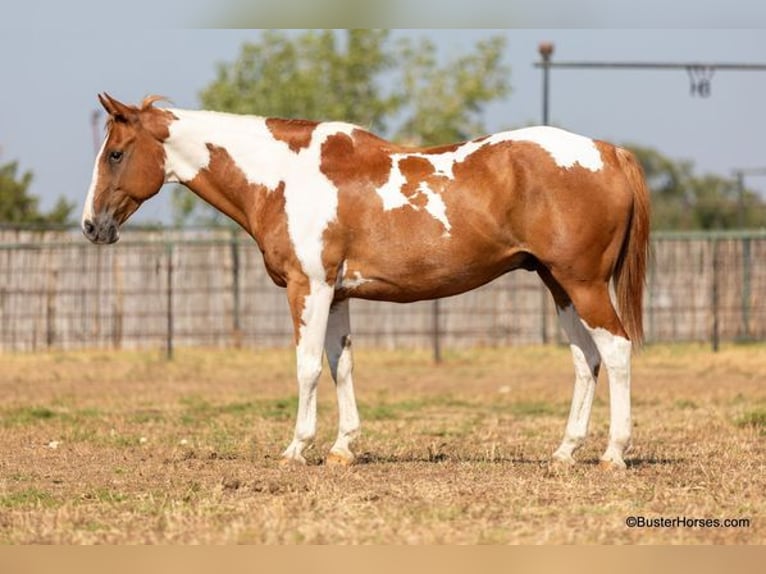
(311, 199)
(566, 148)
(344, 281)
(391, 191)
(435, 206)
(88, 211)
(393, 198)
(355, 281)
(311, 340)
(586, 363)
(615, 353)
(247, 140)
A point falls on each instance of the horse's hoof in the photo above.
(339, 459)
(611, 464)
(562, 459)
(292, 461)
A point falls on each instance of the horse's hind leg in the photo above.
(587, 362)
(338, 350)
(599, 318)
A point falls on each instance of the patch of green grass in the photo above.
(278, 409)
(381, 412)
(197, 409)
(28, 497)
(685, 404)
(755, 419)
(27, 415)
(147, 416)
(107, 496)
(532, 408)
(392, 410)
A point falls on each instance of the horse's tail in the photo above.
(630, 269)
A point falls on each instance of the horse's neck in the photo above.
(227, 160)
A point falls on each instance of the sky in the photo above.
(52, 74)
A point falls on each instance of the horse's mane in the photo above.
(150, 100)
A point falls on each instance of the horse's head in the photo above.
(129, 169)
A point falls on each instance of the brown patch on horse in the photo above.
(416, 170)
(295, 133)
(259, 210)
(356, 160)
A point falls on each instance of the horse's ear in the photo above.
(116, 109)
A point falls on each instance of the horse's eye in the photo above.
(115, 156)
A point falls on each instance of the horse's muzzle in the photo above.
(101, 230)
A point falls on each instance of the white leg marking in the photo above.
(339, 356)
(309, 357)
(586, 363)
(615, 352)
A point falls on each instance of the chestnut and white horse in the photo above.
(338, 212)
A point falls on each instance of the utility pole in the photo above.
(739, 174)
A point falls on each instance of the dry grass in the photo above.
(126, 448)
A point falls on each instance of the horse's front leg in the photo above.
(310, 302)
(339, 356)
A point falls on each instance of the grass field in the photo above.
(128, 448)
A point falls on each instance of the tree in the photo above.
(399, 90)
(312, 76)
(444, 104)
(682, 200)
(17, 206)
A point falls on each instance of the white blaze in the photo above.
(88, 209)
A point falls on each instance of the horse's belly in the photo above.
(423, 278)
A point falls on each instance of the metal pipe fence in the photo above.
(169, 289)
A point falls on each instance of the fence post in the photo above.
(714, 297)
(436, 308)
(169, 332)
(746, 288)
(235, 291)
(50, 308)
(118, 304)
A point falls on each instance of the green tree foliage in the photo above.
(17, 206)
(682, 200)
(396, 89)
(316, 75)
(444, 104)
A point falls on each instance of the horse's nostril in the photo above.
(89, 228)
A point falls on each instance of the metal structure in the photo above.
(700, 73)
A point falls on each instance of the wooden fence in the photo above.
(167, 289)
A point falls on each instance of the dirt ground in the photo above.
(124, 447)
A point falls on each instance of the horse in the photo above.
(338, 213)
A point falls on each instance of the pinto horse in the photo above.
(338, 213)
